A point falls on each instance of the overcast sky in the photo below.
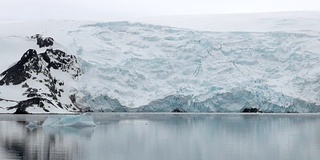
(12, 10)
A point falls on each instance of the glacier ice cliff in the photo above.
(147, 68)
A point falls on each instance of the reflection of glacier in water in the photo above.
(168, 136)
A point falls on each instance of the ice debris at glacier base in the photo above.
(82, 120)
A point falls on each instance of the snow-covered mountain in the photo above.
(36, 83)
(130, 66)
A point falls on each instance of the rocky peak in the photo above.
(22, 70)
(43, 41)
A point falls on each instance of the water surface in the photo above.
(166, 137)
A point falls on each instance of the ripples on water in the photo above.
(165, 137)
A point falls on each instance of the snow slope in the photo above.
(246, 22)
(272, 66)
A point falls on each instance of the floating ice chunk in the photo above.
(65, 121)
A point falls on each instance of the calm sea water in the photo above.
(166, 137)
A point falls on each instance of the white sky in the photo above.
(12, 10)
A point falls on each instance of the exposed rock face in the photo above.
(23, 105)
(43, 41)
(22, 70)
(42, 78)
(250, 110)
(178, 110)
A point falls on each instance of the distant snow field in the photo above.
(219, 63)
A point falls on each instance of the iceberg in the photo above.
(82, 120)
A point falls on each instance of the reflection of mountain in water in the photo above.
(42, 143)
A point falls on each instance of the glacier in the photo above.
(155, 68)
(139, 67)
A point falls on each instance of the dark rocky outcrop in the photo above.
(43, 41)
(22, 70)
(178, 110)
(23, 105)
(250, 110)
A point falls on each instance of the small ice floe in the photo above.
(82, 120)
